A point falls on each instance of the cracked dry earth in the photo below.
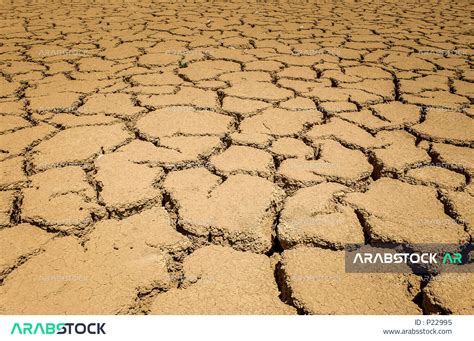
(216, 158)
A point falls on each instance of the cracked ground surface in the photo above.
(216, 157)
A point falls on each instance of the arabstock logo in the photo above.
(57, 328)
(413, 258)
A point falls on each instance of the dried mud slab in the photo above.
(152, 227)
(450, 293)
(120, 260)
(334, 162)
(397, 113)
(402, 213)
(287, 147)
(442, 99)
(437, 176)
(70, 120)
(344, 132)
(220, 280)
(462, 203)
(443, 126)
(78, 144)
(9, 123)
(177, 121)
(239, 211)
(258, 90)
(16, 142)
(400, 152)
(12, 174)
(209, 69)
(244, 107)
(18, 243)
(315, 281)
(279, 122)
(312, 216)
(241, 159)
(61, 198)
(251, 139)
(456, 157)
(171, 152)
(112, 104)
(126, 185)
(185, 96)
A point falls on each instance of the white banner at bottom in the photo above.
(233, 327)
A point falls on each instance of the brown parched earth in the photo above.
(217, 157)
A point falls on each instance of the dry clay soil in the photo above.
(216, 158)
